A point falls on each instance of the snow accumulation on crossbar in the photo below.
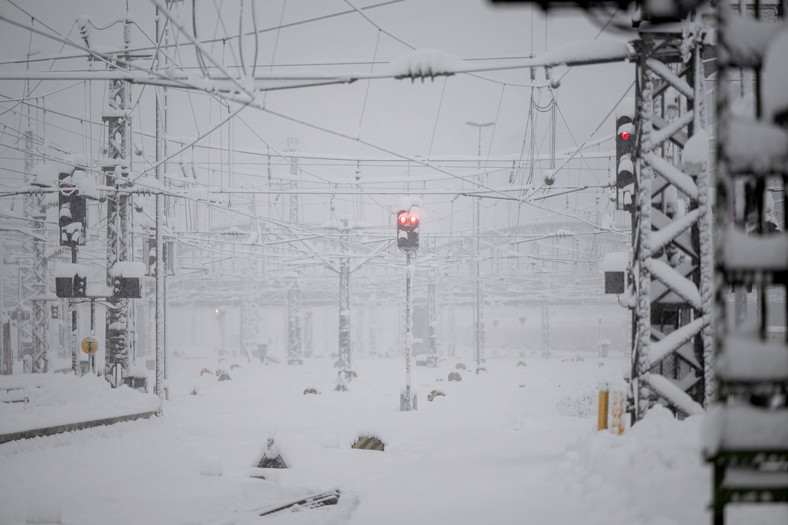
(675, 281)
(675, 176)
(732, 427)
(671, 342)
(775, 78)
(744, 41)
(756, 147)
(739, 251)
(660, 238)
(746, 358)
(586, 52)
(676, 396)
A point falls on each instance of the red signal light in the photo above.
(625, 135)
(403, 219)
(414, 219)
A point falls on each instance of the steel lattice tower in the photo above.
(117, 167)
(672, 265)
(295, 344)
(34, 278)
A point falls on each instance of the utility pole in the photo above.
(545, 330)
(295, 344)
(159, 271)
(117, 167)
(407, 401)
(35, 279)
(478, 300)
(344, 364)
(432, 320)
(408, 242)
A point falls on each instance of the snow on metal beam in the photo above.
(657, 137)
(684, 241)
(670, 77)
(672, 393)
(738, 249)
(678, 178)
(748, 359)
(755, 147)
(673, 341)
(743, 41)
(679, 138)
(665, 235)
(683, 287)
(687, 353)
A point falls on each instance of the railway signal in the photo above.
(625, 146)
(72, 212)
(408, 230)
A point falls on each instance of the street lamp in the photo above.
(478, 318)
(220, 312)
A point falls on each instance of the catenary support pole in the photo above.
(406, 403)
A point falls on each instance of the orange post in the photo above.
(602, 417)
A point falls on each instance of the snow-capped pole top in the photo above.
(586, 52)
(775, 78)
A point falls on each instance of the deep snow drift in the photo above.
(512, 445)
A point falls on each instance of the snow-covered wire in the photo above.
(256, 40)
(276, 42)
(240, 37)
(198, 49)
(571, 135)
(437, 117)
(369, 83)
(189, 145)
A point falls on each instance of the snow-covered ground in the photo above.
(512, 445)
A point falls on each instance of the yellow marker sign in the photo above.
(89, 345)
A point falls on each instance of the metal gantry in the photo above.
(671, 235)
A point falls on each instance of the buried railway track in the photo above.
(69, 427)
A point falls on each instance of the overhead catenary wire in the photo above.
(486, 160)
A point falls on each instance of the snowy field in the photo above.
(513, 445)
